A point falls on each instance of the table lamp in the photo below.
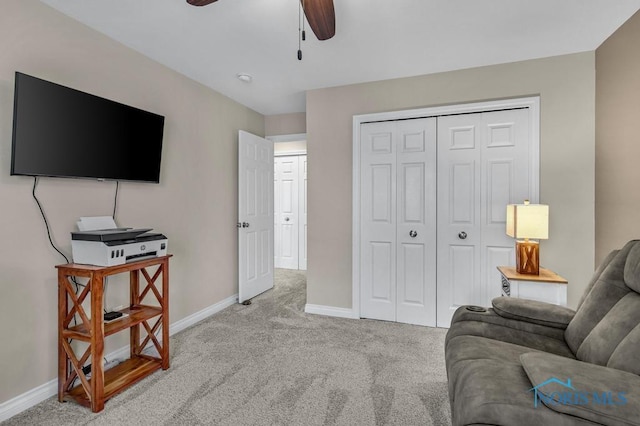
(528, 221)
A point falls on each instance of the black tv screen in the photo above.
(63, 132)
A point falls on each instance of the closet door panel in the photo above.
(286, 212)
(459, 229)
(483, 165)
(505, 180)
(378, 223)
(416, 225)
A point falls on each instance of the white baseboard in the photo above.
(200, 315)
(329, 311)
(27, 400)
(36, 395)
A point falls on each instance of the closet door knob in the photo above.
(286, 219)
(462, 235)
(413, 234)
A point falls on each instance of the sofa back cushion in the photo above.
(610, 311)
(626, 356)
(632, 269)
(596, 276)
(599, 346)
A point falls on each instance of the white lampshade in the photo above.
(528, 221)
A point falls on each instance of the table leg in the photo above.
(134, 300)
(63, 363)
(165, 315)
(97, 344)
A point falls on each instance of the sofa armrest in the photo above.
(533, 311)
(592, 392)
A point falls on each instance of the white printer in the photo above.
(114, 246)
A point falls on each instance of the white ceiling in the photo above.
(375, 39)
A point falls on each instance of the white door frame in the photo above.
(293, 137)
(532, 103)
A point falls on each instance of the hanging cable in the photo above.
(46, 223)
(115, 201)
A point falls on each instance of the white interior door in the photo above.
(378, 221)
(397, 220)
(416, 222)
(483, 165)
(302, 215)
(286, 212)
(255, 220)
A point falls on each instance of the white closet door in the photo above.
(302, 209)
(286, 212)
(378, 221)
(483, 165)
(416, 222)
(398, 245)
(505, 180)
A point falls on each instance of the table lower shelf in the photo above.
(135, 315)
(118, 378)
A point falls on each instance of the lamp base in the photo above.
(528, 257)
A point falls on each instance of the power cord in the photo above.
(46, 223)
(115, 201)
(104, 292)
(115, 205)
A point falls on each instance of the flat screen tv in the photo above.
(63, 132)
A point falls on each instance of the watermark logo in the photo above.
(572, 396)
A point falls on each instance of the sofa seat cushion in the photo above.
(463, 349)
(492, 326)
(580, 389)
(533, 311)
(488, 385)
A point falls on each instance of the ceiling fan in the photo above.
(320, 15)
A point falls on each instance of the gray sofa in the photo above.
(524, 362)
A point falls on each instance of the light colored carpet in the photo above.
(271, 364)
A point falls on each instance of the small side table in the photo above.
(142, 318)
(547, 287)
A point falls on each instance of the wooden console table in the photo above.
(94, 391)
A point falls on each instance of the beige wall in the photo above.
(285, 124)
(566, 87)
(195, 204)
(617, 138)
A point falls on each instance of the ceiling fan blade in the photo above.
(200, 2)
(321, 17)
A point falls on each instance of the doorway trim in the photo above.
(292, 137)
(533, 105)
(290, 153)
